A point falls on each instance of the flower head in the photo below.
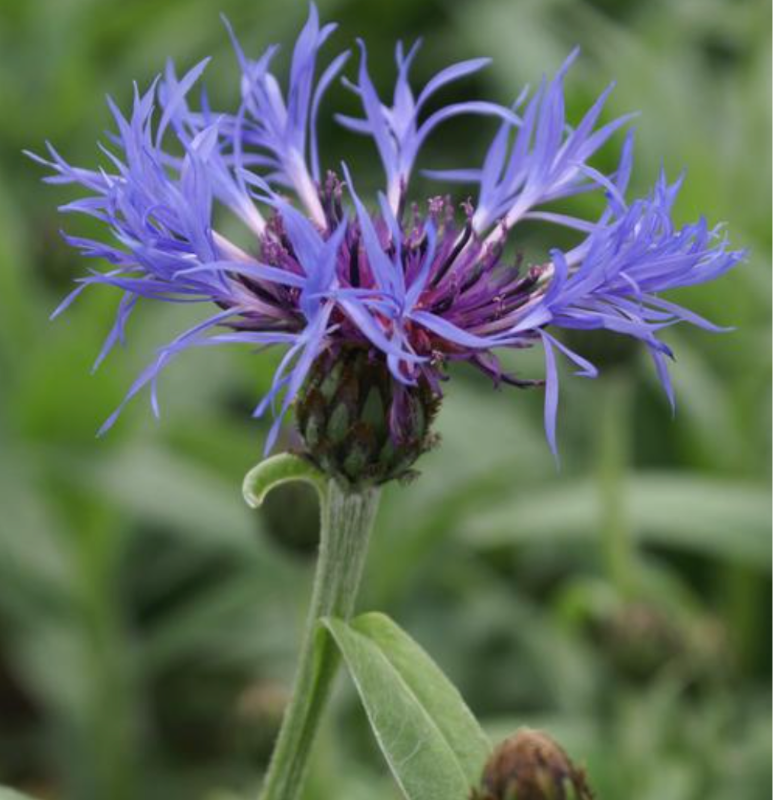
(413, 287)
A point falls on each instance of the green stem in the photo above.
(345, 524)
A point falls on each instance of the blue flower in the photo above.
(417, 287)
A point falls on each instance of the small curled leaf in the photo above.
(276, 470)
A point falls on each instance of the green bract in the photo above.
(345, 421)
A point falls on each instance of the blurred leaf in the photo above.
(251, 617)
(706, 405)
(33, 550)
(433, 744)
(722, 519)
(10, 794)
(17, 302)
(158, 486)
(456, 478)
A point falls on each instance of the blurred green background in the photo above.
(148, 620)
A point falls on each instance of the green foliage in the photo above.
(431, 741)
(149, 621)
(10, 794)
(709, 517)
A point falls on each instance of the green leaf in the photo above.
(433, 744)
(157, 485)
(725, 519)
(279, 469)
(11, 794)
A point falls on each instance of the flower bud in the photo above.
(358, 425)
(531, 766)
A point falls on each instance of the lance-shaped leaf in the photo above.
(432, 742)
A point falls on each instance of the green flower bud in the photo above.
(344, 414)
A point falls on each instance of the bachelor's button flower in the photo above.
(373, 301)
